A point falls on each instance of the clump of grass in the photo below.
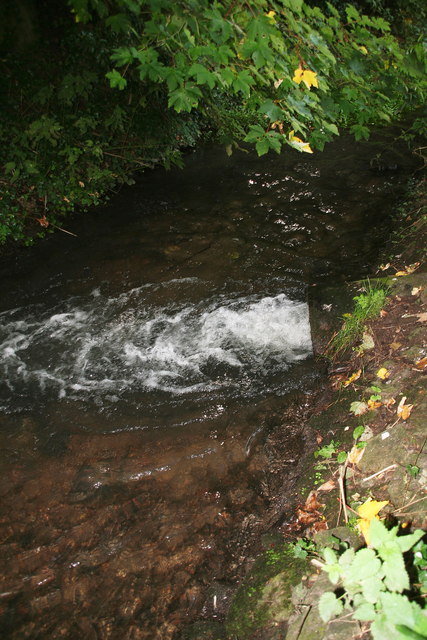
(367, 306)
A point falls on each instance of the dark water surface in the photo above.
(140, 361)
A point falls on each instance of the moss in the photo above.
(264, 598)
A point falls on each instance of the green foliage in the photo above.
(367, 306)
(375, 583)
(362, 76)
(131, 82)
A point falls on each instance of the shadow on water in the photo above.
(142, 365)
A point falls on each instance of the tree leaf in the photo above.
(329, 606)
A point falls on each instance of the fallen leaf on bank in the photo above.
(384, 267)
(358, 408)
(374, 404)
(408, 270)
(355, 376)
(367, 511)
(367, 342)
(355, 455)
(416, 290)
(394, 346)
(383, 313)
(421, 364)
(383, 373)
(404, 410)
(389, 403)
(422, 317)
(309, 512)
(327, 486)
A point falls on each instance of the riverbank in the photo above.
(365, 439)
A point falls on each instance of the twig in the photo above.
(378, 473)
(408, 504)
(341, 480)
(64, 230)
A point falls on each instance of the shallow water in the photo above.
(142, 364)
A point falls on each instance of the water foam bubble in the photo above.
(102, 346)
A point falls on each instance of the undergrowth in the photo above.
(367, 306)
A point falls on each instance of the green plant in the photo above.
(372, 585)
(303, 547)
(367, 306)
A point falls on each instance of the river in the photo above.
(141, 361)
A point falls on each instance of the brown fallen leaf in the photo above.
(422, 317)
(383, 313)
(421, 365)
(394, 346)
(389, 402)
(328, 485)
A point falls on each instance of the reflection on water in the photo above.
(140, 363)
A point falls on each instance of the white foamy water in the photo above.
(107, 347)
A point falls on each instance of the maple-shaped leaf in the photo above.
(358, 408)
(422, 317)
(307, 76)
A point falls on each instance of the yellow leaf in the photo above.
(270, 15)
(363, 50)
(404, 410)
(307, 76)
(352, 378)
(401, 273)
(299, 144)
(383, 373)
(368, 510)
(374, 404)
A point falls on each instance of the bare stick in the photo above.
(341, 480)
(378, 473)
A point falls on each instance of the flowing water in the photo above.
(139, 364)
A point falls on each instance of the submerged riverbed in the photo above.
(142, 365)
